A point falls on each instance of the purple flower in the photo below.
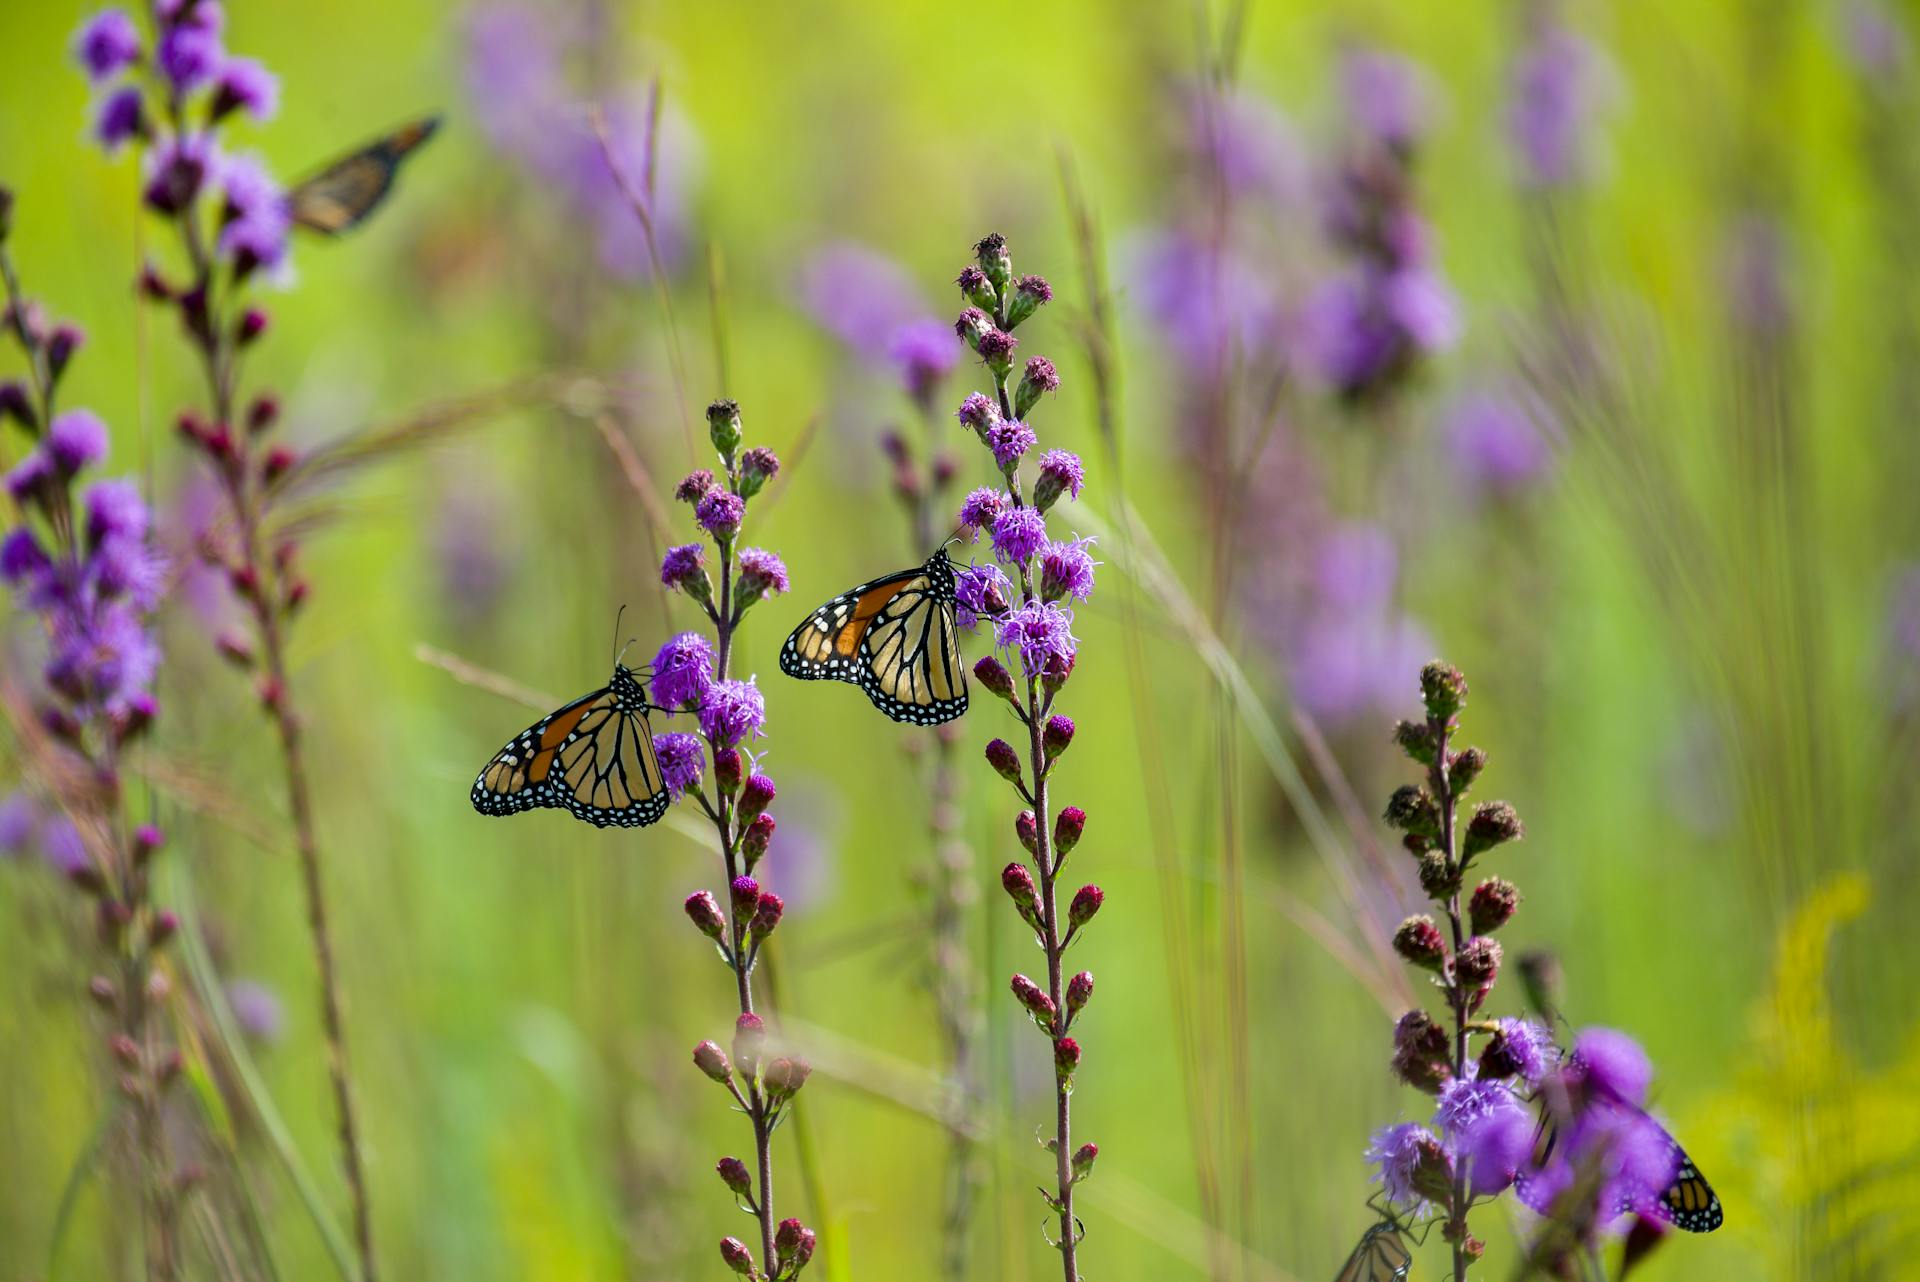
(1066, 569)
(979, 508)
(1876, 42)
(682, 763)
(979, 591)
(1422, 306)
(107, 43)
(103, 657)
(1465, 1102)
(1558, 83)
(1397, 1152)
(1009, 441)
(62, 846)
(922, 350)
(244, 84)
(1062, 472)
(1496, 445)
(1531, 1046)
(1386, 95)
(1018, 533)
(683, 565)
(258, 220)
(1612, 1063)
(257, 1009)
(23, 559)
(1038, 631)
(730, 711)
(720, 512)
(1207, 302)
(76, 439)
(126, 566)
(19, 818)
(682, 671)
(864, 298)
(762, 573)
(1248, 143)
(1636, 1158)
(176, 169)
(978, 412)
(115, 507)
(30, 476)
(1495, 1148)
(119, 118)
(189, 55)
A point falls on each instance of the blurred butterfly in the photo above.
(593, 757)
(1688, 1201)
(1382, 1256)
(895, 638)
(340, 197)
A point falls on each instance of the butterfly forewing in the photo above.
(593, 757)
(1382, 1256)
(1688, 1199)
(895, 638)
(342, 195)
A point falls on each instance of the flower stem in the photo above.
(1456, 991)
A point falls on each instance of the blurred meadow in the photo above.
(1643, 466)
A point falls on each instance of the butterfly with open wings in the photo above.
(341, 196)
(593, 757)
(894, 637)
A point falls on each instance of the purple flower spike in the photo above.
(681, 761)
(23, 560)
(258, 222)
(720, 513)
(107, 44)
(176, 169)
(922, 350)
(1018, 534)
(1037, 631)
(76, 439)
(1495, 1148)
(115, 509)
(682, 671)
(1398, 1153)
(731, 711)
(1066, 569)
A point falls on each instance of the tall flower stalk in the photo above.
(1034, 628)
(692, 675)
(81, 563)
(231, 221)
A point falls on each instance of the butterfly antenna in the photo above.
(619, 650)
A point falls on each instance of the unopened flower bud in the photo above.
(757, 466)
(785, 1076)
(166, 924)
(1422, 1053)
(1412, 809)
(251, 325)
(786, 1238)
(1463, 768)
(147, 841)
(738, 1257)
(278, 462)
(261, 414)
(996, 263)
(1029, 292)
(61, 345)
(1478, 963)
(1083, 1159)
(755, 797)
(1433, 1170)
(1057, 735)
(1035, 999)
(711, 1060)
(1027, 829)
(996, 349)
(1416, 740)
(733, 1173)
(1018, 883)
(16, 404)
(694, 486)
(753, 845)
(100, 988)
(1419, 941)
(723, 427)
(1054, 674)
(1067, 827)
(1444, 690)
(235, 649)
(973, 325)
(1004, 760)
(726, 771)
(1079, 992)
(705, 914)
(745, 896)
(766, 915)
(1437, 877)
(124, 1049)
(749, 1039)
(994, 677)
(1066, 1057)
(1038, 378)
(976, 288)
(1086, 902)
(1494, 823)
(1492, 905)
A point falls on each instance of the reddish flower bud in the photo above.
(994, 677)
(1079, 992)
(753, 845)
(1027, 828)
(1443, 689)
(1416, 740)
(262, 414)
(100, 988)
(252, 324)
(124, 1049)
(1419, 941)
(745, 896)
(1067, 827)
(1422, 1055)
(1005, 761)
(1056, 671)
(1035, 999)
(1086, 902)
(147, 839)
(235, 649)
(755, 796)
(1493, 823)
(738, 1258)
(1066, 1057)
(1478, 963)
(1057, 735)
(786, 1238)
(1492, 905)
(766, 915)
(1463, 768)
(705, 914)
(153, 286)
(1438, 878)
(1411, 809)
(61, 345)
(278, 463)
(733, 1173)
(1083, 1158)
(711, 1060)
(694, 486)
(297, 593)
(166, 924)
(785, 1076)
(749, 1039)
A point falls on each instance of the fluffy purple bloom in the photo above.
(1066, 569)
(762, 573)
(1613, 1063)
(1496, 445)
(127, 566)
(118, 119)
(1637, 1161)
(682, 762)
(980, 591)
(1248, 143)
(259, 223)
(1063, 469)
(1018, 533)
(1009, 440)
(720, 512)
(257, 1009)
(978, 412)
(1531, 1046)
(923, 352)
(682, 671)
(189, 55)
(864, 298)
(730, 711)
(76, 439)
(62, 846)
(1395, 1154)
(979, 508)
(19, 818)
(1465, 1102)
(115, 507)
(22, 558)
(29, 475)
(1037, 631)
(243, 84)
(1386, 95)
(1495, 1148)
(107, 43)
(1206, 301)
(175, 171)
(103, 657)
(1423, 308)
(683, 564)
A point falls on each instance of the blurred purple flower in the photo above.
(801, 862)
(77, 439)
(189, 55)
(1557, 86)
(19, 820)
(245, 85)
(924, 353)
(1495, 1148)
(257, 1009)
(1249, 143)
(1355, 568)
(62, 846)
(473, 560)
(118, 119)
(1387, 97)
(1876, 41)
(1205, 300)
(1612, 1063)
(107, 43)
(258, 223)
(864, 299)
(1496, 443)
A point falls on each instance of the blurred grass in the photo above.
(522, 996)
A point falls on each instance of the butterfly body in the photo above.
(593, 757)
(895, 637)
(1381, 1256)
(341, 196)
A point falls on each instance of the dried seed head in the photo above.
(1493, 904)
(1419, 941)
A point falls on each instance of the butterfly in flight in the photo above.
(340, 197)
(895, 638)
(593, 757)
(1381, 1256)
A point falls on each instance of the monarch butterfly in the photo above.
(594, 757)
(895, 638)
(1382, 1256)
(341, 196)
(1687, 1200)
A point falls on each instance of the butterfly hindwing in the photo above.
(593, 757)
(342, 195)
(1689, 1201)
(1381, 1256)
(895, 638)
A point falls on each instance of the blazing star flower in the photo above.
(978, 412)
(107, 44)
(243, 84)
(1556, 86)
(258, 224)
(863, 298)
(1066, 569)
(682, 763)
(103, 657)
(682, 671)
(1018, 533)
(979, 508)
(19, 820)
(76, 439)
(22, 560)
(1495, 1148)
(1061, 472)
(922, 351)
(720, 513)
(62, 846)
(1496, 445)
(1531, 1046)
(1037, 631)
(190, 54)
(1386, 95)
(979, 591)
(762, 573)
(1612, 1063)
(176, 168)
(1466, 1102)
(1636, 1158)
(730, 711)
(683, 565)
(1398, 1153)
(1009, 440)
(115, 508)
(119, 120)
